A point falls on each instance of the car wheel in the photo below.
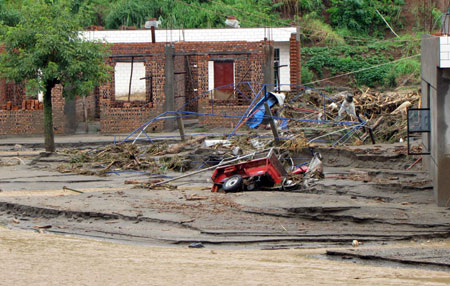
(233, 184)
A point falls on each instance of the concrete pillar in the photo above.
(268, 64)
(440, 139)
(169, 72)
(436, 96)
(70, 125)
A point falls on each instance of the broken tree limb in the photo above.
(18, 159)
(413, 164)
(110, 165)
(73, 190)
(378, 122)
(177, 148)
(137, 182)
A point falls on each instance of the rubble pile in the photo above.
(159, 157)
(122, 156)
(386, 114)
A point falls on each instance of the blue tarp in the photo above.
(257, 113)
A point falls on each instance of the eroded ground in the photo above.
(367, 195)
(45, 259)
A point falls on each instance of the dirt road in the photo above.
(29, 258)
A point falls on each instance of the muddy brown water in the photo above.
(29, 258)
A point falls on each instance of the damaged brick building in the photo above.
(195, 70)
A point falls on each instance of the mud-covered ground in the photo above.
(30, 258)
(367, 195)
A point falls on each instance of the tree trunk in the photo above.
(48, 118)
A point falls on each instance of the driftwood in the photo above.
(137, 182)
(177, 148)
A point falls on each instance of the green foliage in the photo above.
(8, 15)
(307, 75)
(129, 13)
(45, 47)
(317, 32)
(437, 16)
(193, 13)
(311, 7)
(411, 44)
(90, 12)
(348, 44)
(361, 15)
(345, 58)
(408, 68)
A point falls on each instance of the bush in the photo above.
(8, 15)
(346, 58)
(316, 31)
(408, 68)
(307, 75)
(311, 6)
(361, 15)
(129, 13)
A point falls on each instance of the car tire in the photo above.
(233, 184)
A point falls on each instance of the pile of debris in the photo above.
(256, 165)
(385, 113)
(159, 157)
(112, 157)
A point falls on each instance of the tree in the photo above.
(45, 49)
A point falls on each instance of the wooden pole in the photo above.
(153, 34)
(181, 126)
(272, 124)
(131, 77)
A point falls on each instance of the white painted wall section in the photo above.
(122, 78)
(444, 52)
(210, 75)
(191, 35)
(285, 72)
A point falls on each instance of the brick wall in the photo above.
(180, 82)
(248, 67)
(295, 56)
(124, 117)
(24, 121)
(91, 108)
(231, 114)
(12, 94)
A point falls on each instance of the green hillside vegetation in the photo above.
(340, 36)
